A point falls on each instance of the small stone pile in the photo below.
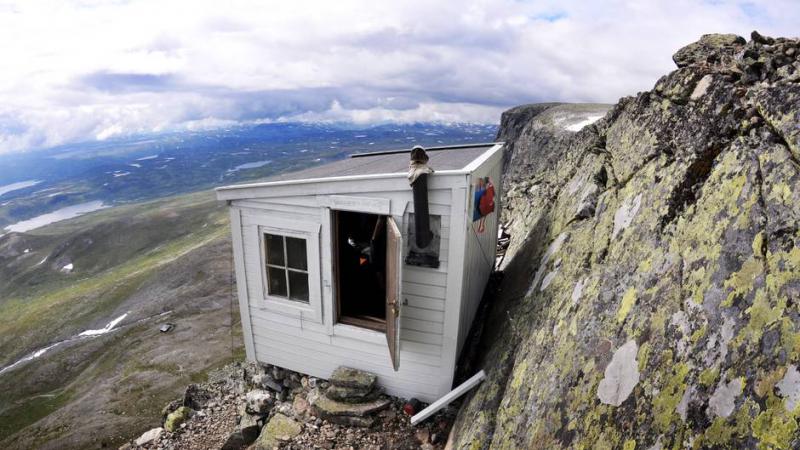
(256, 407)
(352, 398)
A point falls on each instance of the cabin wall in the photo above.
(317, 346)
(480, 248)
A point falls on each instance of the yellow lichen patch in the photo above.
(665, 404)
(519, 374)
(761, 314)
(627, 303)
(699, 333)
(743, 281)
(630, 444)
(784, 268)
(774, 427)
(722, 431)
(758, 243)
(658, 321)
(709, 376)
(645, 265)
(766, 382)
(643, 356)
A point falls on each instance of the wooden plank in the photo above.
(433, 304)
(343, 185)
(429, 315)
(421, 337)
(422, 326)
(462, 389)
(316, 333)
(335, 356)
(423, 290)
(435, 196)
(455, 285)
(327, 272)
(373, 204)
(241, 282)
(394, 283)
(426, 349)
(262, 206)
(424, 275)
(298, 200)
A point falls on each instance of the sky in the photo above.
(84, 70)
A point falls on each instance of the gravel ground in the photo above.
(218, 414)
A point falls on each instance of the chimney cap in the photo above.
(418, 154)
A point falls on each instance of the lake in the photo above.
(58, 215)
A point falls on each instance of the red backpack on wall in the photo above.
(487, 200)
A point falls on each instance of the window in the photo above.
(287, 267)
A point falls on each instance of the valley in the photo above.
(89, 273)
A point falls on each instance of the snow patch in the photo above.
(106, 329)
(19, 185)
(30, 357)
(68, 268)
(579, 126)
(250, 165)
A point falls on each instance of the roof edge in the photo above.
(427, 149)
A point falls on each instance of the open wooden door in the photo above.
(394, 258)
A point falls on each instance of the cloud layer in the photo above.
(90, 69)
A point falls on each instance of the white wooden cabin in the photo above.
(307, 305)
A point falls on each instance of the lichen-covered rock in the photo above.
(280, 428)
(347, 377)
(330, 408)
(176, 418)
(651, 296)
(351, 394)
(250, 427)
(259, 401)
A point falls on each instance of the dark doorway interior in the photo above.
(360, 265)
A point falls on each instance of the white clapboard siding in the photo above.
(438, 304)
(321, 364)
(480, 253)
(291, 326)
(434, 304)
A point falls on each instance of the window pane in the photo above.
(298, 285)
(296, 252)
(277, 281)
(274, 249)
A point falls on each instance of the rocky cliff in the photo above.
(653, 296)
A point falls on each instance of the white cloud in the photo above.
(74, 70)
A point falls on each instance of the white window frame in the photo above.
(311, 310)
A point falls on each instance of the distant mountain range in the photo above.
(92, 175)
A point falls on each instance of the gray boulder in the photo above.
(259, 401)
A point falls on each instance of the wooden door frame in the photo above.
(338, 318)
